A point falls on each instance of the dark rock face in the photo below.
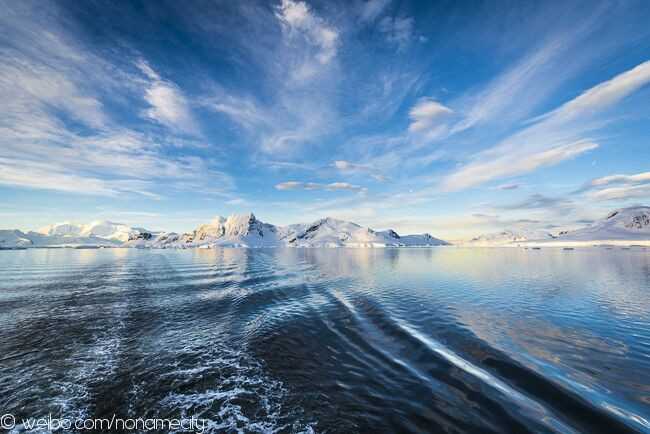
(393, 234)
(141, 236)
(639, 222)
(308, 232)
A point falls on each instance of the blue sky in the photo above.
(455, 118)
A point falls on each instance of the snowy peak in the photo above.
(60, 229)
(506, 237)
(623, 224)
(103, 229)
(237, 229)
(632, 219)
(330, 232)
(247, 231)
(421, 240)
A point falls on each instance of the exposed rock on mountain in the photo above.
(631, 224)
(247, 231)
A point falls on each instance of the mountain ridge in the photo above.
(623, 226)
(237, 230)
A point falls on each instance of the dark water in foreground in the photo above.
(392, 340)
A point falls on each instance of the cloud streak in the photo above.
(517, 163)
(334, 186)
(553, 138)
(168, 105)
(618, 187)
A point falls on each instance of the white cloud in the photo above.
(623, 192)
(168, 103)
(298, 75)
(55, 130)
(611, 179)
(298, 18)
(603, 95)
(516, 91)
(553, 137)
(619, 187)
(512, 164)
(343, 186)
(427, 114)
(334, 186)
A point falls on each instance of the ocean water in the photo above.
(331, 340)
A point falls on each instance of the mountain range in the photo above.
(624, 226)
(243, 230)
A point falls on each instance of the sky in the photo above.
(453, 118)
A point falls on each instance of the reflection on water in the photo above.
(331, 340)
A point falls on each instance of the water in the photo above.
(331, 340)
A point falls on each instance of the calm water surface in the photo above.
(331, 340)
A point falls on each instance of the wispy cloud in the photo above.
(553, 138)
(348, 167)
(626, 179)
(510, 164)
(618, 187)
(623, 192)
(371, 9)
(299, 22)
(516, 92)
(334, 186)
(168, 105)
(56, 132)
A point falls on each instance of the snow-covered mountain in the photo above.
(12, 238)
(98, 229)
(97, 234)
(508, 237)
(329, 232)
(247, 231)
(623, 226)
(626, 224)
